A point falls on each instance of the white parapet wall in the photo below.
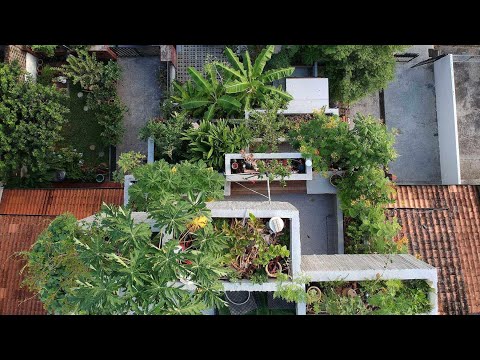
(447, 121)
(359, 267)
(265, 156)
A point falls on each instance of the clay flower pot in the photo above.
(349, 292)
(273, 268)
(315, 292)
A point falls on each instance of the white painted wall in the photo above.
(31, 66)
(447, 120)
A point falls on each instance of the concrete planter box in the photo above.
(264, 156)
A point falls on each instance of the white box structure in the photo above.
(308, 94)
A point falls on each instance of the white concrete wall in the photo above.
(151, 150)
(447, 121)
(31, 66)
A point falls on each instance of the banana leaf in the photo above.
(262, 60)
(194, 103)
(236, 87)
(229, 103)
(199, 80)
(277, 74)
(234, 61)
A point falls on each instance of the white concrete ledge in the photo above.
(264, 156)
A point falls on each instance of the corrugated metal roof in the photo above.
(80, 202)
(442, 224)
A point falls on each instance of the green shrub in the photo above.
(161, 182)
(167, 134)
(127, 162)
(362, 152)
(211, 141)
(48, 50)
(53, 265)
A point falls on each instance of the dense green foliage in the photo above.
(249, 247)
(99, 81)
(206, 96)
(115, 267)
(354, 71)
(48, 50)
(53, 265)
(375, 297)
(363, 153)
(211, 141)
(268, 125)
(161, 183)
(250, 82)
(126, 163)
(167, 134)
(31, 118)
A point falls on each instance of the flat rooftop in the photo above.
(318, 219)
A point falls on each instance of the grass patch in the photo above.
(82, 130)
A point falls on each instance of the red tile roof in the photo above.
(23, 215)
(442, 224)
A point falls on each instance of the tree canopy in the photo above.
(31, 117)
(354, 71)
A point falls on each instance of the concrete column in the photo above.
(151, 150)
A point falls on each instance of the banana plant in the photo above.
(205, 95)
(250, 80)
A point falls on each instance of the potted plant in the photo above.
(314, 293)
(273, 268)
(335, 178)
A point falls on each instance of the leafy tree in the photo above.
(362, 152)
(31, 118)
(211, 141)
(99, 80)
(126, 271)
(161, 183)
(251, 81)
(354, 71)
(53, 265)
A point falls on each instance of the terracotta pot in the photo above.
(349, 292)
(315, 291)
(278, 267)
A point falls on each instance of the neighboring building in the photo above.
(442, 224)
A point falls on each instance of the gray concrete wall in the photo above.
(139, 90)
(467, 89)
